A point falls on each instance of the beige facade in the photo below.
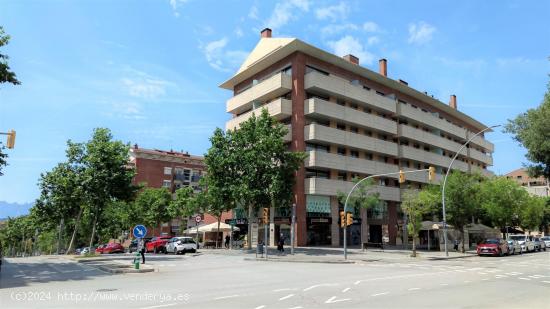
(352, 122)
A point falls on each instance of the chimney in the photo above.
(266, 33)
(452, 102)
(383, 64)
(352, 59)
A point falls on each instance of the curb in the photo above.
(299, 261)
(122, 270)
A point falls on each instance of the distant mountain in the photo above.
(13, 209)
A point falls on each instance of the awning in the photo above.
(212, 227)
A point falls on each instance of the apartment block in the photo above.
(352, 122)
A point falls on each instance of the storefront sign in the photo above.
(318, 203)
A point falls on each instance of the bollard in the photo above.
(136, 261)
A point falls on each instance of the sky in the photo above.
(149, 70)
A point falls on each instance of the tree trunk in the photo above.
(462, 240)
(77, 223)
(218, 232)
(249, 236)
(414, 243)
(93, 229)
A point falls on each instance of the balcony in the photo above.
(431, 120)
(480, 156)
(342, 88)
(478, 140)
(288, 136)
(319, 107)
(430, 139)
(430, 158)
(331, 187)
(280, 109)
(351, 164)
(316, 132)
(421, 176)
(483, 172)
(272, 87)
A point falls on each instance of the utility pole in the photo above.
(292, 227)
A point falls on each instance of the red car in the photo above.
(100, 249)
(493, 247)
(157, 244)
(113, 248)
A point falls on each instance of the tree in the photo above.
(362, 197)
(3, 158)
(183, 204)
(502, 200)
(532, 213)
(415, 205)
(6, 75)
(154, 203)
(532, 130)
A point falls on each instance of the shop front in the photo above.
(318, 220)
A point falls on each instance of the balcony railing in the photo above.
(279, 109)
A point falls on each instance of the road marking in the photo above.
(345, 290)
(460, 270)
(298, 307)
(484, 279)
(546, 281)
(287, 289)
(286, 297)
(228, 296)
(414, 289)
(482, 273)
(378, 294)
(500, 276)
(444, 284)
(333, 300)
(160, 306)
(260, 307)
(536, 276)
(319, 285)
(524, 278)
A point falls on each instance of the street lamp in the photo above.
(445, 181)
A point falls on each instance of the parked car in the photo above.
(546, 240)
(85, 250)
(493, 247)
(134, 244)
(514, 247)
(539, 244)
(157, 244)
(77, 251)
(113, 248)
(524, 241)
(181, 245)
(100, 249)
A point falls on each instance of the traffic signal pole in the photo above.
(430, 170)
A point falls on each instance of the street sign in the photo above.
(198, 219)
(140, 231)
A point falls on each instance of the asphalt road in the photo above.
(228, 281)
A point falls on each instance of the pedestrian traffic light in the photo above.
(11, 139)
(349, 219)
(265, 215)
(401, 176)
(342, 219)
(431, 173)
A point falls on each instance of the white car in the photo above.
(524, 241)
(181, 245)
(546, 240)
(514, 247)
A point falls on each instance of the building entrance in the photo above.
(375, 233)
(318, 232)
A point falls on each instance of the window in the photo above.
(369, 133)
(312, 147)
(384, 137)
(342, 176)
(310, 173)
(341, 151)
(354, 153)
(380, 93)
(167, 171)
(368, 156)
(166, 183)
(341, 126)
(341, 102)
(366, 88)
(354, 129)
(354, 106)
(519, 177)
(287, 70)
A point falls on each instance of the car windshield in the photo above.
(517, 237)
(491, 241)
(546, 238)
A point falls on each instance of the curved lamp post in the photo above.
(445, 181)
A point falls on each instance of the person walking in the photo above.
(280, 244)
(141, 249)
(456, 245)
(227, 239)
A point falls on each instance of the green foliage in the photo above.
(153, 204)
(362, 196)
(531, 215)
(462, 198)
(502, 201)
(6, 75)
(532, 131)
(415, 205)
(183, 205)
(114, 220)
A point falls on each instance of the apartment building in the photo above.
(352, 122)
(535, 186)
(171, 170)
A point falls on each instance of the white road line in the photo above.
(287, 289)
(460, 270)
(546, 281)
(260, 307)
(298, 307)
(484, 279)
(414, 289)
(286, 297)
(500, 276)
(319, 285)
(482, 273)
(228, 296)
(378, 294)
(524, 278)
(467, 281)
(333, 300)
(444, 284)
(345, 290)
(159, 306)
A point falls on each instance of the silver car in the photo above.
(546, 240)
(524, 241)
(514, 247)
(181, 245)
(540, 245)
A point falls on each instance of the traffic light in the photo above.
(349, 219)
(342, 219)
(11, 139)
(431, 173)
(401, 176)
(265, 215)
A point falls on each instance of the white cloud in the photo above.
(333, 12)
(175, 4)
(373, 40)
(370, 26)
(350, 45)
(253, 13)
(336, 29)
(145, 87)
(128, 110)
(221, 59)
(420, 33)
(239, 32)
(285, 12)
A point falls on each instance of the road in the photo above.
(228, 281)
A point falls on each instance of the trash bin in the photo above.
(136, 260)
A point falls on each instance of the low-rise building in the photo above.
(536, 186)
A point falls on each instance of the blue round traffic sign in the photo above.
(140, 231)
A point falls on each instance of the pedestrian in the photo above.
(280, 244)
(141, 249)
(456, 245)
(227, 238)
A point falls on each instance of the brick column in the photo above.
(392, 221)
(298, 144)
